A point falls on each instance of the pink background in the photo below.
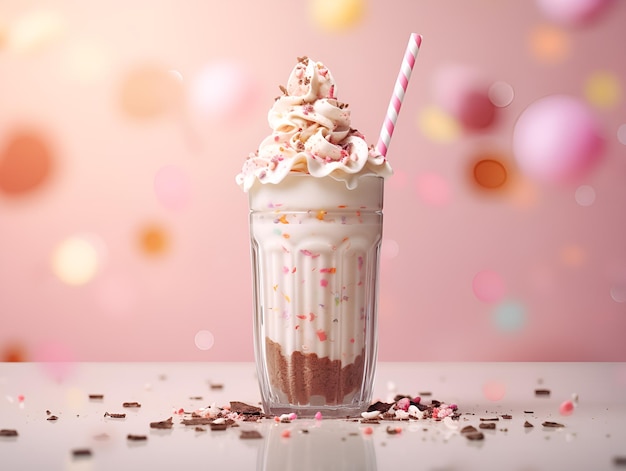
(123, 235)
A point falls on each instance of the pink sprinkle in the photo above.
(323, 283)
(286, 433)
(276, 419)
(321, 335)
(368, 430)
(417, 399)
(318, 416)
(566, 408)
(293, 416)
(454, 406)
(20, 398)
(403, 404)
(352, 340)
(285, 270)
(308, 253)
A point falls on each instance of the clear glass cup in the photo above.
(315, 251)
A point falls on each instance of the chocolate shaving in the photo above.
(474, 436)
(136, 438)
(469, 429)
(547, 423)
(222, 426)
(81, 452)
(115, 416)
(8, 433)
(163, 424)
(250, 434)
(52, 417)
(490, 419)
(542, 392)
(200, 429)
(243, 408)
(527, 424)
(197, 421)
(96, 396)
(619, 460)
(529, 412)
(489, 426)
(507, 416)
(131, 404)
(379, 406)
(216, 386)
(370, 421)
(195, 398)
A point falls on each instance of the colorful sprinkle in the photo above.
(283, 219)
(323, 283)
(321, 335)
(318, 416)
(566, 408)
(308, 253)
(331, 270)
(321, 214)
(286, 433)
(368, 430)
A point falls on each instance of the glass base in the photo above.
(337, 411)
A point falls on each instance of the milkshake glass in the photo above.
(315, 249)
(315, 189)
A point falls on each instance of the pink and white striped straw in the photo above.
(415, 41)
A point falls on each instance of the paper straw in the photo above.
(415, 40)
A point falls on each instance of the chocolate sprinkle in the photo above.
(619, 461)
(52, 417)
(216, 386)
(81, 452)
(131, 404)
(163, 424)
(96, 396)
(250, 434)
(542, 392)
(490, 419)
(474, 436)
(136, 438)
(507, 416)
(547, 423)
(243, 408)
(197, 421)
(115, 416)
(222, 426)
(528, 424)
(469, 429)
(490, 426)
(8, 433)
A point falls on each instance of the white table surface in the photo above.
(592, 436)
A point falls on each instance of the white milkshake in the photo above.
(316, 193)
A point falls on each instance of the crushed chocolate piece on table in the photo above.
(550, 424)
(250, 434)
(8, 433)
(162, 424)
(527, 424)
(115, 415)
(487, 425)
(81, 452)
(131, 404)
(542, 392)
(136, 438)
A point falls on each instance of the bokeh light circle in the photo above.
(433, 189)
(148, 91)
(77, 259)
(336, 15)
(494, 390)
(603, 89)
(573, 255)
(154, 240)
(501, 94)
(621, 134)
(221, 91)
(585, 195)
(204, 340)
(172, 187)
(509, 316)
(572, 12)
(488, 286)
(438, 125)
(556, 139)
(489, 173)
(464, 93)
(389, 249)
(26, 163)
(35, 30)
(549, 44)
(618, 293)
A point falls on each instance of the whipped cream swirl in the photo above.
(311, 135)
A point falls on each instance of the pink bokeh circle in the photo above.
(433, 189)
(572, 12)
(488, 286)
(557, 139)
